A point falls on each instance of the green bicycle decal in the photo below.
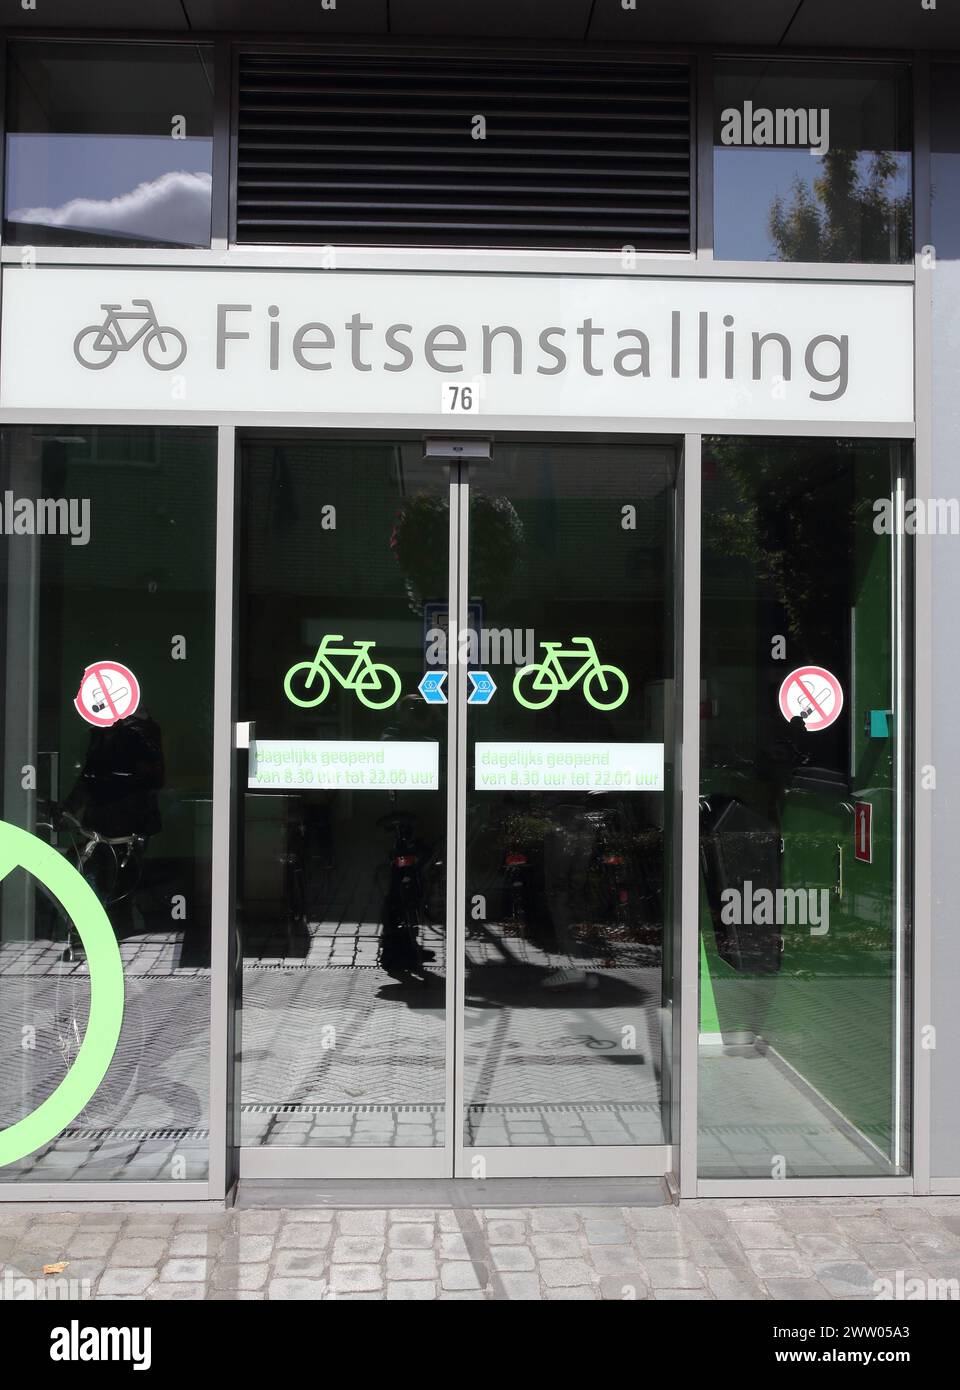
(20, 849)
(375, 684)
(604, 687)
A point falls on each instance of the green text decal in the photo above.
(20, 849)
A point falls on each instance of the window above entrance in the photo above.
(109, 145)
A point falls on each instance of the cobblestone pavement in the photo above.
(799, 1249)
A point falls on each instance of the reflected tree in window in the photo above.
(853, 213)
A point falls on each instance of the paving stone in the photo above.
(190, 1292)
(458, 1274)
(605, 1232)
(932, 1243)
(734, 1285)
(355, 1278)
(616, 1259)
(817, 1246)
(557, 1245)
(300, 1264)
(257, 1222)
(673, 1274)
(796, 1290)
(419, 1290)
(246, 1249)
(184, 1271)
(363, 1223)
(506, 1232)
(754, 1211)
(763, 1235)
(454, 1247)
(357, 1250)
(512, 1257)
(580, 1292)
(411, 1264)
(556, 1274)
(881, 1258)
(304, 1235)
(521, 1287)
(85, 1244)
(779, 1264)
(554, 1219)
(651, 1218)
(52, 1238)
(850, 1277)
(138, 1251)
(130, 1281)
(857, 1229)
(411, 1235)
(626, 1290)
(240, 1277)
(193, 1243)
(809, 1219)
(681, 1295)
(306, 1289)
(664, 1244)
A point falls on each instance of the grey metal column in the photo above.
(223, 1089)
(922, 799)
(222, 101)
(689, 814)
(704, 158)
(457, 761)
(22, 680)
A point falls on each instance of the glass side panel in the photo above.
(106, 638)
(804, 1057)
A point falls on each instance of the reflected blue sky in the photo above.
(97, 182)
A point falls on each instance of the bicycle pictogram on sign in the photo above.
(604, 686)
(374, 683)
(99, 344)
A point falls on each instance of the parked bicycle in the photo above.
(113, 866)
(604, 686)
(99, 344)
(374, 683)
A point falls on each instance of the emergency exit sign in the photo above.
(863, 831)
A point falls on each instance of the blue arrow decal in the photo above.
(431, 687)
(484, 688)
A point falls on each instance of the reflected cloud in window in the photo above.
(109, 146)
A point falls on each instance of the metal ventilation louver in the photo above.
(583, 153)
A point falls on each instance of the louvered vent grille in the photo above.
(374, 149)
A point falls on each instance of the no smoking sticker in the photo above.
(108, 692)
(814, 695)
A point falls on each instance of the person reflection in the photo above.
(116, 808)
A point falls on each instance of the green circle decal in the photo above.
(20, 849)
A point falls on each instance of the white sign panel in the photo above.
(342, 765)
(515, 347)
(568, 767)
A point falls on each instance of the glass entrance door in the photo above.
(454, 926)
